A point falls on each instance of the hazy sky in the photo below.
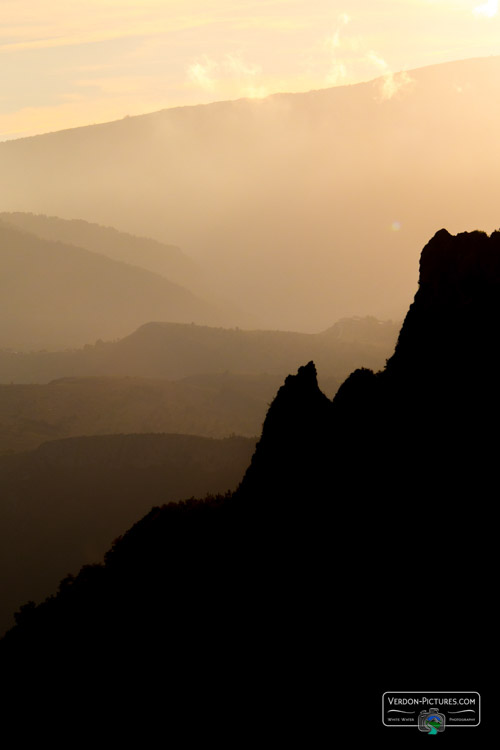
(66, 63)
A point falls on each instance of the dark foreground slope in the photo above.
(353, 559)
(62, 504)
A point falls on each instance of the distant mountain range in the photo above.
(211, 407)
(55, 295)
(361, 536)
(363, 519)
(172, 350)
(173, 378)
(302, 208)
(166, 260)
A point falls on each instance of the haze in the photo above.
(293, 209)
(229, 276)
(66, 64)
(296, 210)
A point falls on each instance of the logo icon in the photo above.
(431, 722)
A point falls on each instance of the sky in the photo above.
(67, 63)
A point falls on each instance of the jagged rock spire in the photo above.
(291, 450)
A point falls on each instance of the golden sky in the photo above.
(65, 63)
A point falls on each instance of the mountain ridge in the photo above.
(274, 180)
(167, 260)
(57, 294)
(359, 534)
(369, 82)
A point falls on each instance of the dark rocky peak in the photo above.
(304, 383)
(296, 406)
(453, 320)
(422, 415)
(427, 412)
(347, 529)
(292, 446)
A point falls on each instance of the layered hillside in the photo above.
(303, 206)
(71, 407)
(173, 378)
(174, 351)
(55, 296)
(167, 260)
(354, 547)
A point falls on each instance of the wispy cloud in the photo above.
(72, 62)
(337, 72)
(394, 83)
(489, 9)
(391, 83)
(230, 72)
(376, 60)
(203, 73)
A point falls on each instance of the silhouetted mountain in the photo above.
(293, 450)
(173, 350)
(432, 397)
(63, 504)
(353, 552)
(400, 469)
(302, 205)
(54, 295)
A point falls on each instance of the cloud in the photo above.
(202, 73)
(337, 72)
(333, 41)
(390, 83)
(393, 83)
(376, 60)
(489, 9)
(229, 72)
